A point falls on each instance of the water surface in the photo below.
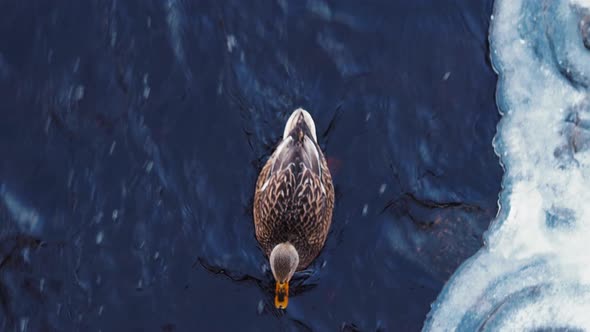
(132, 132)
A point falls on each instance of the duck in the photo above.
(293, 203)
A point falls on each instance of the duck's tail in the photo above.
(299, 125)
(299, 148)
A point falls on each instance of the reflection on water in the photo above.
(132, 134)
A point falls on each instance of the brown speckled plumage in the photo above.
(294, 196)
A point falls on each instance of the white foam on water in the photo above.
(534, 269)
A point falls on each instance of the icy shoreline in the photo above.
(534, 270)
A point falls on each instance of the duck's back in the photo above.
(294, 198)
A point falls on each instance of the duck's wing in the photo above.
(291, 194)
(291, 164)
(272, 188)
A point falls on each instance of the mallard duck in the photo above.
(293, 203)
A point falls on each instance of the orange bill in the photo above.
(282, 295)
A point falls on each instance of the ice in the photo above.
(24, 323)
(149, 166)
(534, 271)
(231, 43)
(365, 210)
(27, 218)
(76, 65)
(99, 237)
(260, 308)
(146, 86)
(175, 21)
(320, 8)
(79, 93)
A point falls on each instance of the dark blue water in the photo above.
(132, 133)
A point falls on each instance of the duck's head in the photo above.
(300, 122)
(284, 260)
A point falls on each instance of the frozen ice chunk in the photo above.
(534, 271)
(26, 217)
